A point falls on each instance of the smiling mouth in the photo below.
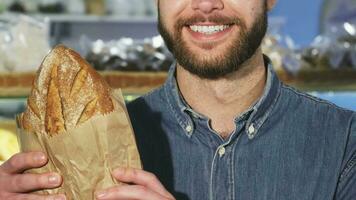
(208, 29)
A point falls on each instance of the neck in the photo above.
(224, 99)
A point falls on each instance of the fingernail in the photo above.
(100, 195)
(53, 179)
(39, 157)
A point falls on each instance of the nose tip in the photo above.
(207, 6)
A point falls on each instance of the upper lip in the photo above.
(206, 24)
(209, 24)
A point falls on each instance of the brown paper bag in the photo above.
(86, 155)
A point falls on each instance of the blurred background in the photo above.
(311, 43)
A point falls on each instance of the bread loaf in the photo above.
(66, 92)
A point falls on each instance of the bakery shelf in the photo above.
(336, 86)
(18, 85)
(69, 29)
(321, 79)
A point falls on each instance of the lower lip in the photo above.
(209, 37)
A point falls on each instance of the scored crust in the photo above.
(66, 92)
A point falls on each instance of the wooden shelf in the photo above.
(19, 84)
(322, 80)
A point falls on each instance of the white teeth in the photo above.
(208, 29)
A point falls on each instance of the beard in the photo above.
(239, 50)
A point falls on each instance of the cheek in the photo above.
(172, 7)
(246, 9)
(171, 10)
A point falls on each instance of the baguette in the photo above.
(66, 92)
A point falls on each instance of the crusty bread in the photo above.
(67, 91)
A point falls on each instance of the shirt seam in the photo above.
(349, 167)
(351, 164)
(233, 149)
(311, 97)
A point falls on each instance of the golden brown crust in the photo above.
(88, 111)
(54, 120)
(79, 81)
(66, 92)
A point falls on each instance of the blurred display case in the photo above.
(69, 29)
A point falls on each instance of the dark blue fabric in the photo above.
(288, 146)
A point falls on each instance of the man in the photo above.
(222, 126)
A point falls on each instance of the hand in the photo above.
(142, 186)
(14, 184)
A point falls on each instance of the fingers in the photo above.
(130, 192)
(141, 177)
(23, 161)
(30, 182)
(36, 197)
(14, 183)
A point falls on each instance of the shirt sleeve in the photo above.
(346, 189)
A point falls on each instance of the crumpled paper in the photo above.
(86, 155)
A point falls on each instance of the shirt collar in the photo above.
(257, 114)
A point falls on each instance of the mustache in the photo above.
(215, 18)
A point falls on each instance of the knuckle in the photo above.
(23, 197)
(18, 182)
(132, 172)
(4, 195)
(40, 181)
(151, 177)
(15, 161)
(18, 197)
(4, 181)
(2, 171)
(28, 159)
(115, 190)
(141, 190)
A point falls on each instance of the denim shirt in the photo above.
(287, 146)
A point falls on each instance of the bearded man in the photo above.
(222, 126)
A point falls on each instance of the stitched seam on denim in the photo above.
(233, 149)
(351, 165)
(211, 195)
(229, 169)
(232, 152)
(311, 97)
(352, 162)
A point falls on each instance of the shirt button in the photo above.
(222, 151)
(189, 128)
(251, 129)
